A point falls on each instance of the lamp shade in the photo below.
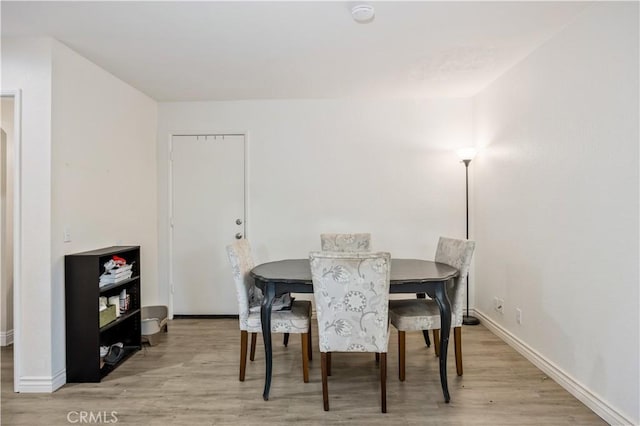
(466, 153)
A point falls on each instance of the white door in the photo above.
(207, 177)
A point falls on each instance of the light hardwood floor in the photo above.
(191, 378)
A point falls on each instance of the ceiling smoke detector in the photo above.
(363, 13)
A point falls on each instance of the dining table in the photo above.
(413, 276)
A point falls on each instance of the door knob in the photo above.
(238, 236)
(238, 221)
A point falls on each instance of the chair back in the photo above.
(345, 242)
(241, 260)
(352, 300)
(456, 253)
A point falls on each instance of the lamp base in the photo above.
(470, 320)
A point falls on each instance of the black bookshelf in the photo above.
(84, 336)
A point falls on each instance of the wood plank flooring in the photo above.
(191, 378)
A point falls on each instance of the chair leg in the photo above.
(377, 358)
(310, 351)
(325, 390)
(436, 341)
(328, 363)
(305, 357)
(243, 353)
(383, 381)
(457, 337)
(401, 354)
(252, 353)
(425, 334)
(286, 339)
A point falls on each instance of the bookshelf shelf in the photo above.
(121, 318)
(106, 288)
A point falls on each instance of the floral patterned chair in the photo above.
(423, 314)
(352, 305)
(345, 242)
(294, 320)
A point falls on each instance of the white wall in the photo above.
(385, 167)
(6, 220)
(103, 173)
(89, 162)
(556, 213)
(26, 65)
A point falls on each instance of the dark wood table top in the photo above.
(403, 271)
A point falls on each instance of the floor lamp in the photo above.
(466, 155)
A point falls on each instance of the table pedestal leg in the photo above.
(265, 317)
(445, 328)
(425, 333)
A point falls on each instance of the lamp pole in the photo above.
(468, 319)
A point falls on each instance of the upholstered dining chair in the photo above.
(294, 320)
(345, 242)
(423, 314)
(352, 305)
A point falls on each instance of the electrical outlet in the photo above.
(519, 315)
(66, 234)
(498, 304)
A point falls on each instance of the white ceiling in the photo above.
(255, 50)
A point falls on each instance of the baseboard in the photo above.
(6, 338)
(575, 388)
(42, 384)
